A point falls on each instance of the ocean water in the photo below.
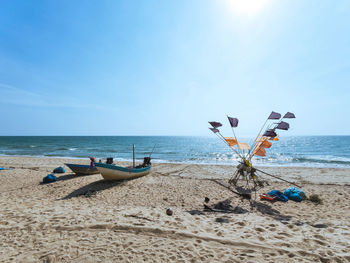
(310, 151)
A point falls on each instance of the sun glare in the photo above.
(249, 8)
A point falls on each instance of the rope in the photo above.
(274, 176)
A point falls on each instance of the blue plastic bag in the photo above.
(59, 170)
(295, 194)
(49, 179)
(279, 195)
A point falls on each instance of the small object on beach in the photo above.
(50, 178)
(59, 170)
(169, 211)
(2, 168)
(315, 199)
(279, 195)
(206, 199)
(295, 194)
(49, 259)
(221, 220)
(224, 205)
(320, 225)
(267, 197)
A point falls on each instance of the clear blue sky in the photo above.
(168, 67)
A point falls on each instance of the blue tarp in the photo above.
(2, 168)
(279, 195)
(49, 178)
(295, 194)
(59, 170)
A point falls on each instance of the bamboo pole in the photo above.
(234, 135)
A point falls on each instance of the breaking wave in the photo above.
(312, 151)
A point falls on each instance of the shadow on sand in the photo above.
(266, 209)
(225, 207)
(64, 178)
(68, 177)
(93, 188)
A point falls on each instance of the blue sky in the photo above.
(168, 67)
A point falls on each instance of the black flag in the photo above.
(283, 126)
(215, 124)
(274, 116)
(214, 130)
(270, 133)
(289, 115)
(233, 122)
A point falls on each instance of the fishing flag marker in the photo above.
(245, 172)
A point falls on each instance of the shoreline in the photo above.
(179, 163)
(86, 219)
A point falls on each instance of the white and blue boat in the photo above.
(112, 172)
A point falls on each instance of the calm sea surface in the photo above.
(312, 151)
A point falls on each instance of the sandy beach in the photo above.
(85, 219)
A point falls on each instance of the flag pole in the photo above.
(133, 155)
(254, 142)
(223, 139)
(234, 134)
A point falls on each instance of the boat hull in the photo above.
(82, 169)
(112, 172)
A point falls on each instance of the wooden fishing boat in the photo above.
(112, 172)
(82, 169)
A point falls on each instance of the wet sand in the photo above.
(85, 219)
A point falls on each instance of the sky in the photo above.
(98, 67)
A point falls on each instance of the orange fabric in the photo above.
(268, 197)
(260, 152)
(231, 141)
(263, 142)
(276, 138)
(266, 144)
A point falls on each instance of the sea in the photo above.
(307, 151)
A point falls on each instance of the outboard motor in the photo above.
(109, 160)
(146, 161)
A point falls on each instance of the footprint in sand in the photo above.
(320, 242)
(261, 238)
(284, 234)
(219, 233)
(259, 229)
(319, 237)
(241, 223)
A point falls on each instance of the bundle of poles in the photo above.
(268, 133)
